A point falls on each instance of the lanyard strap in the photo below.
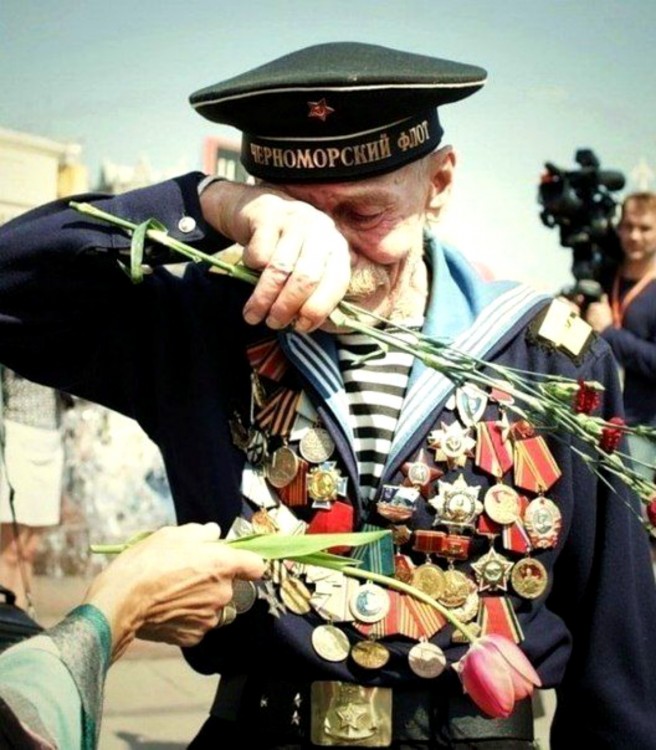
(619, 307)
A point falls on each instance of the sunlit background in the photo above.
(115, 78)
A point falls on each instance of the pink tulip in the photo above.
(495, 674)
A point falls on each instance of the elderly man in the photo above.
(271, 420)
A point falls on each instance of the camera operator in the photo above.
(626, 317)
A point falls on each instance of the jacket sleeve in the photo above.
(605, 593)
(69, 315)
(631, 351)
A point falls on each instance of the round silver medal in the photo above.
(426, 660)
(316, 445)
(244, 595)
(330, 643)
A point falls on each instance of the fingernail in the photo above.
(250, 317)
(301, 325)
(273, 323)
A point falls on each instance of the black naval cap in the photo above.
(338, 111)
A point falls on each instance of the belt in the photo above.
(276, 712)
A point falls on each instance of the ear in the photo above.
(441, 165)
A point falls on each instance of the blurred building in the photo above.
(35, 170)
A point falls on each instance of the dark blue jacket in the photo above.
(170, 353)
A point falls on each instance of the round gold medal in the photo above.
(283, 467)
(370, 654)
(456, 589)
(330, 643)
(529, 578)
(316, 445)
(430, 579)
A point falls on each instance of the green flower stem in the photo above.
(405, 588)
(161, 237)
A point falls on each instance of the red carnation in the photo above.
(611, 435)
(586, 399)
(651, 511)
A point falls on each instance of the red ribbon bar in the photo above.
(429, 542)
(493, 453)
(389, 625)
(535, 467)
(267, 359)
(336, 520)
(455, 547)
(496, 615)
(278, 414)
(428, 620)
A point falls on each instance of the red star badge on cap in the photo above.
(320, 110)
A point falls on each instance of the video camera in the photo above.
(580, 204)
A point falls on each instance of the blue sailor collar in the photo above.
(468, 313)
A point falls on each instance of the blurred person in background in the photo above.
(626, 318)
(31, 476)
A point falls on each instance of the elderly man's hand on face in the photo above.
(304, 260)
(171, 586)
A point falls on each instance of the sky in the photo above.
(563, 75)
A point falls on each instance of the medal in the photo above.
(459, 637)
(331, 598)
(324, 483)
(244, 594)
(426, 620)
(370, 654)
(492, 571)
(397, 503)
(470, 403)
(467, 611)
(338, 519)
(543, 520)
(267, 359)
(256, 448)
(452, 444)
(370, 603)
(457, 503)
(502, 504)
(426, 660)
(430, 579)
(316, 446)
(238, 432)
(277, 415)
(267, 591)
(529, 578)
(263, 523)
(456, 589)
(330, 643)
(295, 596)
(420, 474)
(282, 467)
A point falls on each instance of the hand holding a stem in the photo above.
(170, 586)
(303, 259)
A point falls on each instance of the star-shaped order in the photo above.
(320, 110)
(420, 474)
(452, 443)
(457, 503)
(492, 571)
(267, 591)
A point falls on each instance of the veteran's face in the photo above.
(383, 219)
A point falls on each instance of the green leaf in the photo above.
(278, 547)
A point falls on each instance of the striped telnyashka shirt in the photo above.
(375, 390)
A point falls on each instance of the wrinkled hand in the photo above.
(599, 314)
(170, 586)
(304, 260)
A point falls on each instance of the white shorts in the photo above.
(34, 462)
